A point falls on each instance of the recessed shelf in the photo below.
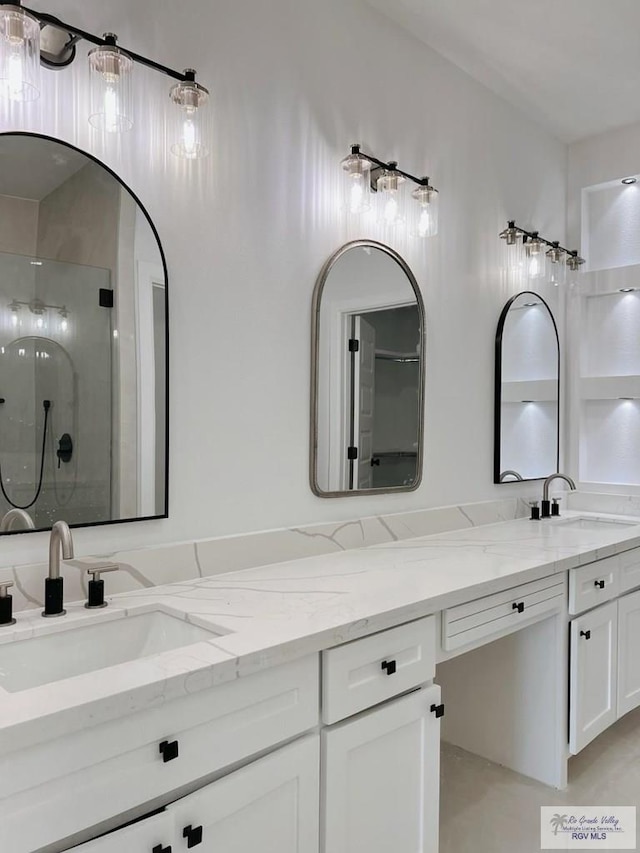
(530, 391)
(610, 387)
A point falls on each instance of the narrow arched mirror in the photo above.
(527, 392)
(367, 378)
(83, 342)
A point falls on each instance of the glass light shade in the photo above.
(111, 89)
(574, 268)
(425, 211)
(356, 183)
(391, 208)
(190, 129)
(19, 54)
(556, 267)
(535, 258)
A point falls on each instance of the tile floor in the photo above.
(487, 809)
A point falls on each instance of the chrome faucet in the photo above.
(546, 505)
(59, 541)
(14, 516)
(510, 473)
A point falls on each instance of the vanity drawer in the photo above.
(54, 791)
(593, 584)
(366, 672)
(492, 614)
(629, 569)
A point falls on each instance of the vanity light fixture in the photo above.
(38, 308)
(366, 175)
(29, 38)
(558, 257)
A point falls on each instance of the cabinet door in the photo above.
(628, 656)
(594, 664)
(270, 806)
(152, 835)
(381, 778)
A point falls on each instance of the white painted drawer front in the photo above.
(492, 614)
(593, 584)
(368, 671)
(142, 837)
(60, 789)
(629, 569)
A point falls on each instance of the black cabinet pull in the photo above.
(438, 710)
(160, 849)
(599, 584)
(519, 606)
(389, 666)
(168, 749)
(193, 834)
(586, 634)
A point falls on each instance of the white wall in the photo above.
(294, 82)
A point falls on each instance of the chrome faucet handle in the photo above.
(95, 598)
(98, 570)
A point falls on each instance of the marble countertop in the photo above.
(272, 614)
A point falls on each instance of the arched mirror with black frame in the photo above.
(367, 374)
(83, 343)
(527, 391)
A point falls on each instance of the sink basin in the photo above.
(85, 648)
(586, 523)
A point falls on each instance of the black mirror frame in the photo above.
(97, 161)
(498, 392)
(315, 370)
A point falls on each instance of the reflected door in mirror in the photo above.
(83, 341)
(527, 391)
(367, 374)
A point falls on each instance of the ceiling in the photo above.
(572, 65)
(33, 168)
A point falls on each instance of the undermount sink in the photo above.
(587, 523)
(80, 649)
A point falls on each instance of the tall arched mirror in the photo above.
(527, 392)
(83, 343)
(367, 379)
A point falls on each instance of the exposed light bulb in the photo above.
(388, 186)
(14, 319)
(64, 325)
(427, 198)
(110, 72)
(357, 181)
(356, 196)
(391, 209)
(19, 54)
(191, 136)
(110, 110)
(39, 322)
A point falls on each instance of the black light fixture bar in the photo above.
(101, 41)
(535, 235)
(391, 166)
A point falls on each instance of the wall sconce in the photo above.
(367, 176)
(537, 263)
(29, 39)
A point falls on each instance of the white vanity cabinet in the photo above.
(605, 664)
(628, 653)
(381, 778)
(380, 767)
(270, 806)
(593, 668)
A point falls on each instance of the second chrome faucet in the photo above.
(60, 542)
(546, 509)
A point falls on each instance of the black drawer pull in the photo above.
(438, 710)
(599, 584)
(168, 749)
(160, 849)
(586, 634)
(193, 834)
(389, 666)
(519, 606)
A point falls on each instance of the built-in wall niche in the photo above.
(609, 384)
(611, 224)
(527, 391)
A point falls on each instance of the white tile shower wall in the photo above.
(154, 566)
(247, 231)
